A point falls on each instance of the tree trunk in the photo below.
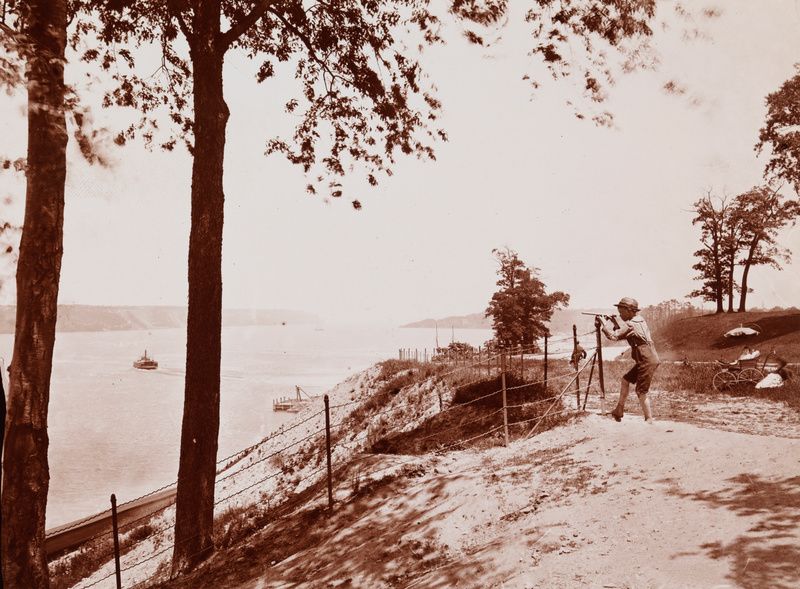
(718, 292)
(731, 265)
(26, 476)
(748, 262)
(194, 516)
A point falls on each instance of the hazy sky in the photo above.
(603, 212)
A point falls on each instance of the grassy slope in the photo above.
(701, 338)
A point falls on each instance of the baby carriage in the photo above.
(745, 370)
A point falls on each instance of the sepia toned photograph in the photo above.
(400, 294)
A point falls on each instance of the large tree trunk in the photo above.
(26, 474)
(195, 495)
(748, 262)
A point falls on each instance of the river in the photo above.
(116, 429)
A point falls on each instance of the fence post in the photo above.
(545, 362)
(522, 362)
(328, 450)
(116, 539)
(589, 384)
(600, 370)
(503, 379)
(577, 358)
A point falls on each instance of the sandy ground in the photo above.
(593, 503)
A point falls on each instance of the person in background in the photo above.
(776, 372)
(748, 354)
(633, 328)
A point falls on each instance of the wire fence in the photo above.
(324, 435)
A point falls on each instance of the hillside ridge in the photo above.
(121, 318)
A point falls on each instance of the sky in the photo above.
(602, 212)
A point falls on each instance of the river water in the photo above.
(116, 429)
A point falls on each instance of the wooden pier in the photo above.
(293, 404)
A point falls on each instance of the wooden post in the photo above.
(328, 450)
(545, 362)
(522, 362)
(589, 384)
(577, 365)
(505, 411)
(600, 370)
(115, 528)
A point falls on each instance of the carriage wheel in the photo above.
(750, 375)
(724, 380)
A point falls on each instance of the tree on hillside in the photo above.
(711, 257)
(521, 307)
(731, 245)
(40, 41)
(781, 133)
(360, 101)
(762, 212)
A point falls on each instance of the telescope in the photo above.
(611, 318)
(603, 315)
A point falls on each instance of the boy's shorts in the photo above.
(641, 375)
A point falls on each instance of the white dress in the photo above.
(771, 381)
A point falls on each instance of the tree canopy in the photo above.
(521, 307)
(781, 132)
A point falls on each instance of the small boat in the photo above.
(145, 363)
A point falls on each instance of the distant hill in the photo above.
(702, 338)
(473, 321)
(101, 318)
(561, 321)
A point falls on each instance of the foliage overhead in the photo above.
(781, 133)
(362, 96)
(521, 307)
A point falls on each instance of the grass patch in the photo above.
(697, 378)
(702, 338)
(394, 376)
(475, 410)
(66, 572)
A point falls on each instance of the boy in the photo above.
(633, 328)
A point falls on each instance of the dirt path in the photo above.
(718, 411)
(594, 503)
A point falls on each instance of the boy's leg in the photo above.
(647, 411)
(619, 410)
(643, 387)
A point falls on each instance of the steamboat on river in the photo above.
(145, 363)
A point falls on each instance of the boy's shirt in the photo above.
(635, 330)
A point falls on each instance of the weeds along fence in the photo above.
(305, 464)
